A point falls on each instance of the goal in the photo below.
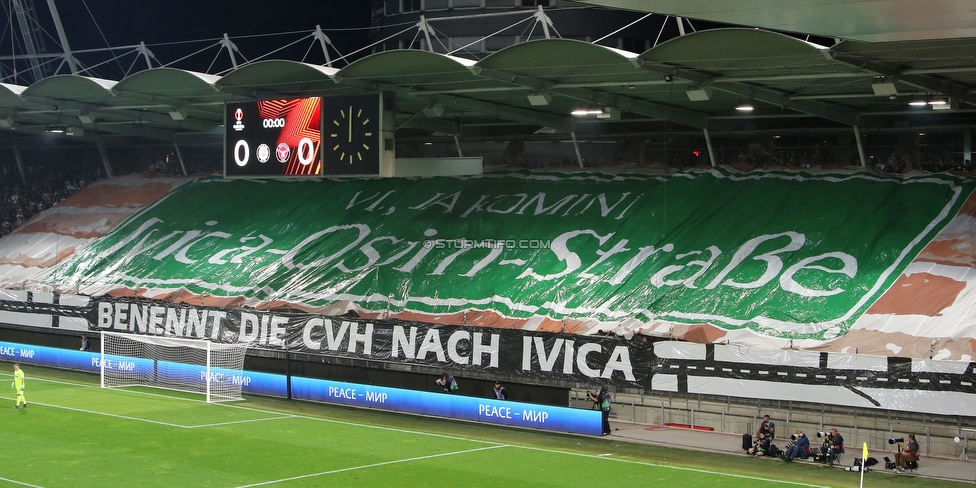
(191, 365)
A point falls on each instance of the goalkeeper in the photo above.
(18, 385)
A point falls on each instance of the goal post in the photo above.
(190, 365)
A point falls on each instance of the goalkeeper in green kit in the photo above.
(18, 385)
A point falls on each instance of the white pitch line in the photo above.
(374, 465)
(380, 427)
(138, 419)
(21, 483)
(232, 422)
(262, 410)
(606, 457)
(554, 451)
(92, 412)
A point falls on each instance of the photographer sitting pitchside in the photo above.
(833, 445)
(799, 448)
(906, 453)
(761, 446)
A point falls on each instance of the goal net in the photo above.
(191, 365)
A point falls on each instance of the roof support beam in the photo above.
(827, 111)
(487, 108)
(689, 118)
(628, 104)
(444, 125)
(823, 110)
(564, 124)
(921, 81)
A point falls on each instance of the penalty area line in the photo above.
(374, 465)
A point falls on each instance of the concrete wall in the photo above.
(935, 434)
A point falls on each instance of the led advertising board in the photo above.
(273, 138)
(490, 411)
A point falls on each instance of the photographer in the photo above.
(447, 383)
(799, 448)
(761, 446)
(603, 401)
(906, 453)
(832, 446)
(767, 427)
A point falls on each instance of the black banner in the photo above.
(569, 357)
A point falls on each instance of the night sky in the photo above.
(93, 24)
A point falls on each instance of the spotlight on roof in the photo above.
(538, 98)
(745, 106)
(584, 111)
(54, 130)
(609, 113)
(918, 103)
(699, 93)
(434, 110)
(86, 118)
(943, 103)
(178, 114)
(884, 85)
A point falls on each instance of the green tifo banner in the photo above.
(774, 252)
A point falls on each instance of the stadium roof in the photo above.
(795, 85)
(863, 20)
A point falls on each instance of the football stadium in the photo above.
(484, 242)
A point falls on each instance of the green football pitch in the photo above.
(74, 434)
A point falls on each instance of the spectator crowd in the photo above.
(45, 186)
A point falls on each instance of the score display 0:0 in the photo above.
(306, 152)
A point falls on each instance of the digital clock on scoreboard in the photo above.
(273, 138)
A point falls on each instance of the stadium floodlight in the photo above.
(434, 110)
(190, 365)
(885, 85)
(745, 106)
(699, 93)
(609, 113)
(539, 97)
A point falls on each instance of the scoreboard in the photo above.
(284, 138)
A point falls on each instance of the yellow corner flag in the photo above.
(864, 462)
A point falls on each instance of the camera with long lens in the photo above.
(896, 440)
(793, 437)
(823, 434)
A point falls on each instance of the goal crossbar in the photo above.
(213, 369)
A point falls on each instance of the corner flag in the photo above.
(864, 462)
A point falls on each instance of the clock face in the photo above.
(351, 135)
